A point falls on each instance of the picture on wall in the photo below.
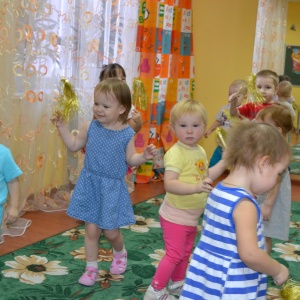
(292, 63)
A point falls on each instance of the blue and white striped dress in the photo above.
(216, 270)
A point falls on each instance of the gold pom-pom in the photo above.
(68, 103)
(253, 93)
(139, 96)
(221, 136)
(290, 290)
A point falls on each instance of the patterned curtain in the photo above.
(40, 43)
(270, 33)
(166, 72)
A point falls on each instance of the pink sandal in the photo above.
(119, 263)
(89, 277)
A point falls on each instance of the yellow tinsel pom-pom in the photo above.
(290, 290)
(68, 103)
(253, 93)
(139, 96)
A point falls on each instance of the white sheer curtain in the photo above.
(270, 36)
(41, 42)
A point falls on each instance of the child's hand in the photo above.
(149, 152)
(206, 133)
(233, 98)
(56, 119)
(11, 215)
(136, 117)
(266, 212)
(282, 276)
(204, 186)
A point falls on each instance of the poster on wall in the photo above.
(292, 63)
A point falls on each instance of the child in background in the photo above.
(9, 185)
(229, 261)
(187, 181)
(276, 204)
(237, 87)
(266, 82)
(117, 71)
(284, 93)
(285, 78)
(100, 197)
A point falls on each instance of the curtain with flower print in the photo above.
(166, 68)
(42, 42)
(269, 46)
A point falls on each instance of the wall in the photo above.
(224, 34)
(293, 37)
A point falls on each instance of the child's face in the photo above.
(267, 175)
(107, 109)
(189, 129)
(266, 87)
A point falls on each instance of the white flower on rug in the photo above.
(295, 225)
(155, 201)
(273, 294)
(74, 233)
(142, 225)
(103, 254)
(32, 270)
(291, 252)
(158, 255)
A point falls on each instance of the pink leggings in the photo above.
(179, 242)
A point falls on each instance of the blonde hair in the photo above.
(269, 74)
(239, 83)
(185, 107)
(279, 114)
(284, 89)
(120, 90)
(248, 141)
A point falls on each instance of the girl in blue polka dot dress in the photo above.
(101, 197)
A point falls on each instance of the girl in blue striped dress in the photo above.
(230, 262)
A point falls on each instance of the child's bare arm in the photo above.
(135, 122)
(174, 186)
(267, 206)
(12, 211)
(74, 142)
(245, 219)
(232, 108)
(214, 125)
(137, 159)
(217, 170)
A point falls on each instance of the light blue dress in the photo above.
(216, 270)
(101, 196)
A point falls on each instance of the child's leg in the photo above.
(91, 242)
(174, 236)
(180, 270)
(119, 262)
(268, 242)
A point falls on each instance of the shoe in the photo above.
(119, 263)
(163, 294)
(89, 277)
(175, 287)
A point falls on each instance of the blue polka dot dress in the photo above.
(101, 196)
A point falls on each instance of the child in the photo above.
(229, 261)
(101, 198)
(187, 182)
(116, 70)
(285, 78)
(9, 185)
(237, 87)
(276, 205)
(284, 93)
(266, 82)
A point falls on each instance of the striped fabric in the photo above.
(216, 271)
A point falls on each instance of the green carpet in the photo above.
(49, 270)
(295, 161)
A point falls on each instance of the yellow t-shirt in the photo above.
(191, 164)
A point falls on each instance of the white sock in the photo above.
(121, 252)
(93, 264)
